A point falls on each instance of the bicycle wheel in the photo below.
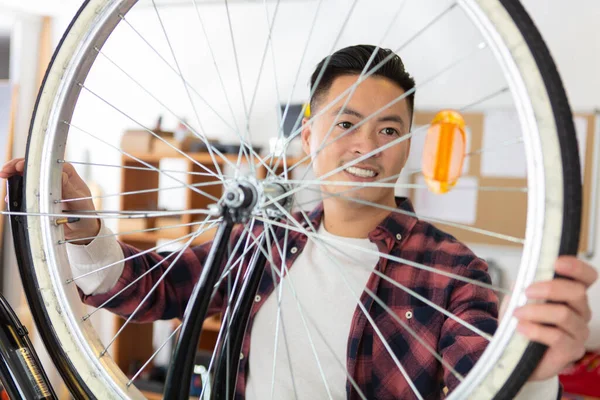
(120, 39)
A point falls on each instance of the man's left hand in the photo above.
(568, 317)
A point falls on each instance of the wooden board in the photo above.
(588, 183)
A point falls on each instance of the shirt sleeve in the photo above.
(98, 265)
(158, 285)
(460, 345)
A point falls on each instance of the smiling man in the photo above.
(339, 306)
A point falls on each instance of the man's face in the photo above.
(388, 125)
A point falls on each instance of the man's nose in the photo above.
(366, 142)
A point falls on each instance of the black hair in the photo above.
(352, 61)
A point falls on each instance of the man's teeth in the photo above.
(363, 173)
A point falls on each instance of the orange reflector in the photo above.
(444, 151)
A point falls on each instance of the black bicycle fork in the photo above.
(238, 203)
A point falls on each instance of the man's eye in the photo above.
(345, 125)
(390, 132)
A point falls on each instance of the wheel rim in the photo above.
(539, 197)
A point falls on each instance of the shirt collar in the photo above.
(397, 225)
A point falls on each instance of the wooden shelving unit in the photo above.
(135, 342)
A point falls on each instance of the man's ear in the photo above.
(306, 132)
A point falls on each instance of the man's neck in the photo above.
(344, 218)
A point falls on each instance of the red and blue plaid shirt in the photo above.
(368, 362)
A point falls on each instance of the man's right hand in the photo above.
(72, 187)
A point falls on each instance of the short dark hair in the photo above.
(351, 61)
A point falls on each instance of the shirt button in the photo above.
(294, 250)
(398, 236)
(241, 356)
(257, 298)
(409, 314)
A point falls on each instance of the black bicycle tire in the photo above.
(74, 382)
(571, 217)
(572, 194)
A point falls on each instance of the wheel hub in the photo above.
(247, 197)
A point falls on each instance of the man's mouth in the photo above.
(361, 172)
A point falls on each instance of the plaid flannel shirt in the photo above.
(369, 363)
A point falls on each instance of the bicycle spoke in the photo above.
(362, 73)
(239, 76)
(152, 289)
(370, 73)
(407, 93)
(217, 70)
(348, 164)
(322, 72)
(140, 168)
(397, 319)
(143, 213)
(133, 232)
(391, 313)
(270, 25)
(405, 185)
(150, 165)
(405, 261)
(277, 93)
(297, 77)
(486, 98)
(416, 295)
(315, 326)
(415, 171)
(237, 63)
(101, 306)
(402, 287)
(207, 103)
(369, 318)
(320, 241)
(192, 236)
(203, 184)
(269, 245)
(480, 231)
(154, 355)
(99, 215)
(411, 292)
(499, 146)
(279, 322)
(305, 325)
(243, 143)
(226, 273)
(202, 137)
(189, 87)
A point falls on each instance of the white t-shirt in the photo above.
(328, 296)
